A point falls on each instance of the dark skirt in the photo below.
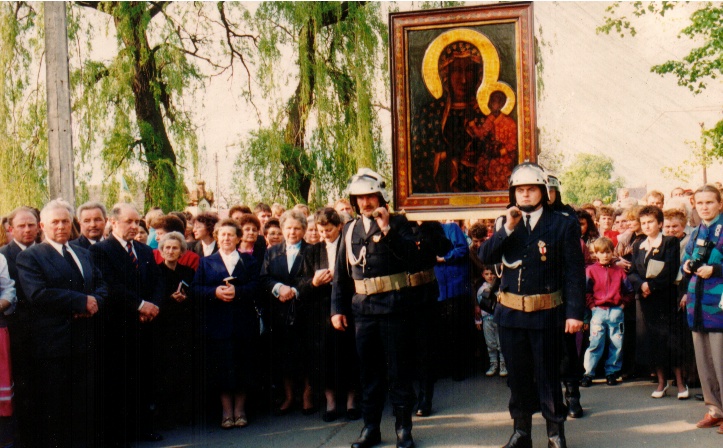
(660, 339)
(231, 366)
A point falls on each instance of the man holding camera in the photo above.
(702, 264)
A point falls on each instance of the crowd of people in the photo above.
(115, 327)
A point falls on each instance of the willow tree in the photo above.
(328, 124)
(132, 108)
(23, 127)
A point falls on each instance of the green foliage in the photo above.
(23, 126)
(130, 109)
(592, 177)
(329, 126)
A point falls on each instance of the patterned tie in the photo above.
(527, 225)
(134, 260)
(71, 261)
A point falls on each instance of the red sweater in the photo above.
(607, 286)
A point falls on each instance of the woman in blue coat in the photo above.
(226, 283)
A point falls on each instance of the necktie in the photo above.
(527, 224)
(71, 261)
(134, 260)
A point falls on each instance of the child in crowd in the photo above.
(606, 219)
(486, 298)
(608, 291)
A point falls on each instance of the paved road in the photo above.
(473, 413)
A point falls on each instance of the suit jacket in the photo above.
(128, 286)
(55, 292)
(385, 255)
(663, 298)
(81, 241)
(225, 319)
(276, 270)
(315, 259)
(197, 248)
(563, 269)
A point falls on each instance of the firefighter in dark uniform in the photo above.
(542, 295)
(571, 368)
(371, 282)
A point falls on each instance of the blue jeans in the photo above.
(605, 323)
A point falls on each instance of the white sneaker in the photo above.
(503, 370)
(492, 370)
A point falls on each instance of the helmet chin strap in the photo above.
(528, 208)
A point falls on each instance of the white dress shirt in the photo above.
(331, 249)
(230, 260)
(208, 248)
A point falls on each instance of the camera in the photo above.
(701, 255)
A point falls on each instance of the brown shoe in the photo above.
(709, 422)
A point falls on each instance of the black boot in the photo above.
(403, 425)
(426, 391)
(572, 399)
(522, 437)
(556, 435)
(370, 436)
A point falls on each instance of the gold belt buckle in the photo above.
(368, 286)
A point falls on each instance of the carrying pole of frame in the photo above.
(61, 180)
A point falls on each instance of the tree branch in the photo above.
(330, 18)
(156, 7)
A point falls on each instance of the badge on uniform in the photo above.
(376, 238)
(543, 250)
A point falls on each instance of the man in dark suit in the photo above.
(91, 217)
(24, 231)
(64, 292)
(542, 295)
(135, 287)
(371, 282)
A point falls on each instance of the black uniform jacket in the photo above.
(547, 260)
(385, 255)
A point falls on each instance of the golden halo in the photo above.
(491, 67)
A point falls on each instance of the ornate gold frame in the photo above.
(434, 30)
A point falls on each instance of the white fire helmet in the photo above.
(364, 182)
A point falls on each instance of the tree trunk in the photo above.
(162, 182)
(298, 114)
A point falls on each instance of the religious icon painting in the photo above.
(463, 107)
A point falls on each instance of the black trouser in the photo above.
(425, 323)
(571, 366)
(457, 337)
(386, 362)
(533, 363)
(66, 408)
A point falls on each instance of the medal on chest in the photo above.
(543, 250)
(376, 238)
